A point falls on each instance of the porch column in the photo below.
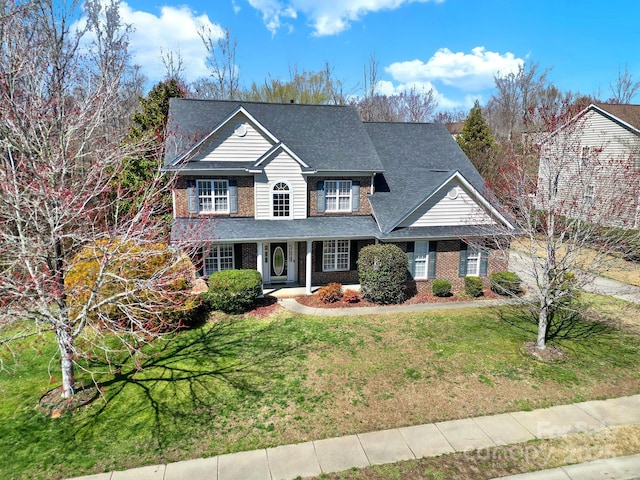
(307, 270)
(259, 261)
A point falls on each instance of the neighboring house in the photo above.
(296, 191)
(593, 163)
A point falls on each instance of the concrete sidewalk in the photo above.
(467, 435)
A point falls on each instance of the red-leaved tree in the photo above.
(72, 262)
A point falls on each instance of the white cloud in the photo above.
(473, 71)
(327, 17)
(175, 30)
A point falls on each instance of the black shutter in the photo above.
(353, 255)
(318, 257)
(433, 253)
(233, 196)
(462, 267)
(411, 264)
(199, 261)
(355, 196)
(320, 203)
(237, 256)
(192, 196)
(484, 262)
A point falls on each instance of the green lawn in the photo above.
(242, 384)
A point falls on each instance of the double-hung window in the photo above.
(337, 195)
(213, 196)
(589, 194)
(421, 259)
(335, 255)
(473, 261)
(584, 157)
(217, 258)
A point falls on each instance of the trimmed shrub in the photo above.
(233, 291)
(351, 296)
(473, 286)
(330, 293)
(382, 270)
(441, 288)
(505, 283)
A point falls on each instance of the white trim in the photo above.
(476, 257)
(217, 258)
(338, 196)
(213, 197)
(290, 193)
(273, 150)
(456, 175)
(233, 114)
(426, 259)
(335, 255)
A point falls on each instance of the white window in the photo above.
(420, 259)
(584, 157)
(589, 194)
(473, 261)
(337, 195)
(217, 258)
(213, 196)
(281, 200)
(335, 255)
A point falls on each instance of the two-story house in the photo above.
(296, 191)
(590, 166)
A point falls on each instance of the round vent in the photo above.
(453, 193)
(240, 130)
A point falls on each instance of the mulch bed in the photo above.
(53, 404)
(315, 302)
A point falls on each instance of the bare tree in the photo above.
(60, 160)
(566, 214)
(411, 105)
(221, 60)
(173, 65)
(624, 89)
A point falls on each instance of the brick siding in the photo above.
(245, 196)
(365, 206)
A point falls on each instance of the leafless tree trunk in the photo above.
(574, 207)
(221, 60)
(624, 89)
(61, 155)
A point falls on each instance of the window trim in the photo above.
(473, 253)
(213, 196)
(207, 255)
(585, 156)
(289, 193)
(337, 196)
(416, 258)
(335, 254)
(589, 194)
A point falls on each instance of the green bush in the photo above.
(331, 293)
(505, 283)
(473, 286)
(441, 288)
(382, 270)
(233, 291)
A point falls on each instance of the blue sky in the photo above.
(454, 46)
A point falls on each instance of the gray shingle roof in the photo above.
(417, 159)
(250, 230)
(325, 137)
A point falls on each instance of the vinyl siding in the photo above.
(441, 210)
(281, 168)
(610, 170)
(227, 146)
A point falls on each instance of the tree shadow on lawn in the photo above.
(193, 377)
(563, 329)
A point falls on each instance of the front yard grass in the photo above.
(245, 383)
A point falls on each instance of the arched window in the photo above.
(281, 200)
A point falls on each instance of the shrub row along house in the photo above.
(296, 191)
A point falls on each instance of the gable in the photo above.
(237, 140)
(451, 205)
(280, 167)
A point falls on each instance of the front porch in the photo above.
(297, 290)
